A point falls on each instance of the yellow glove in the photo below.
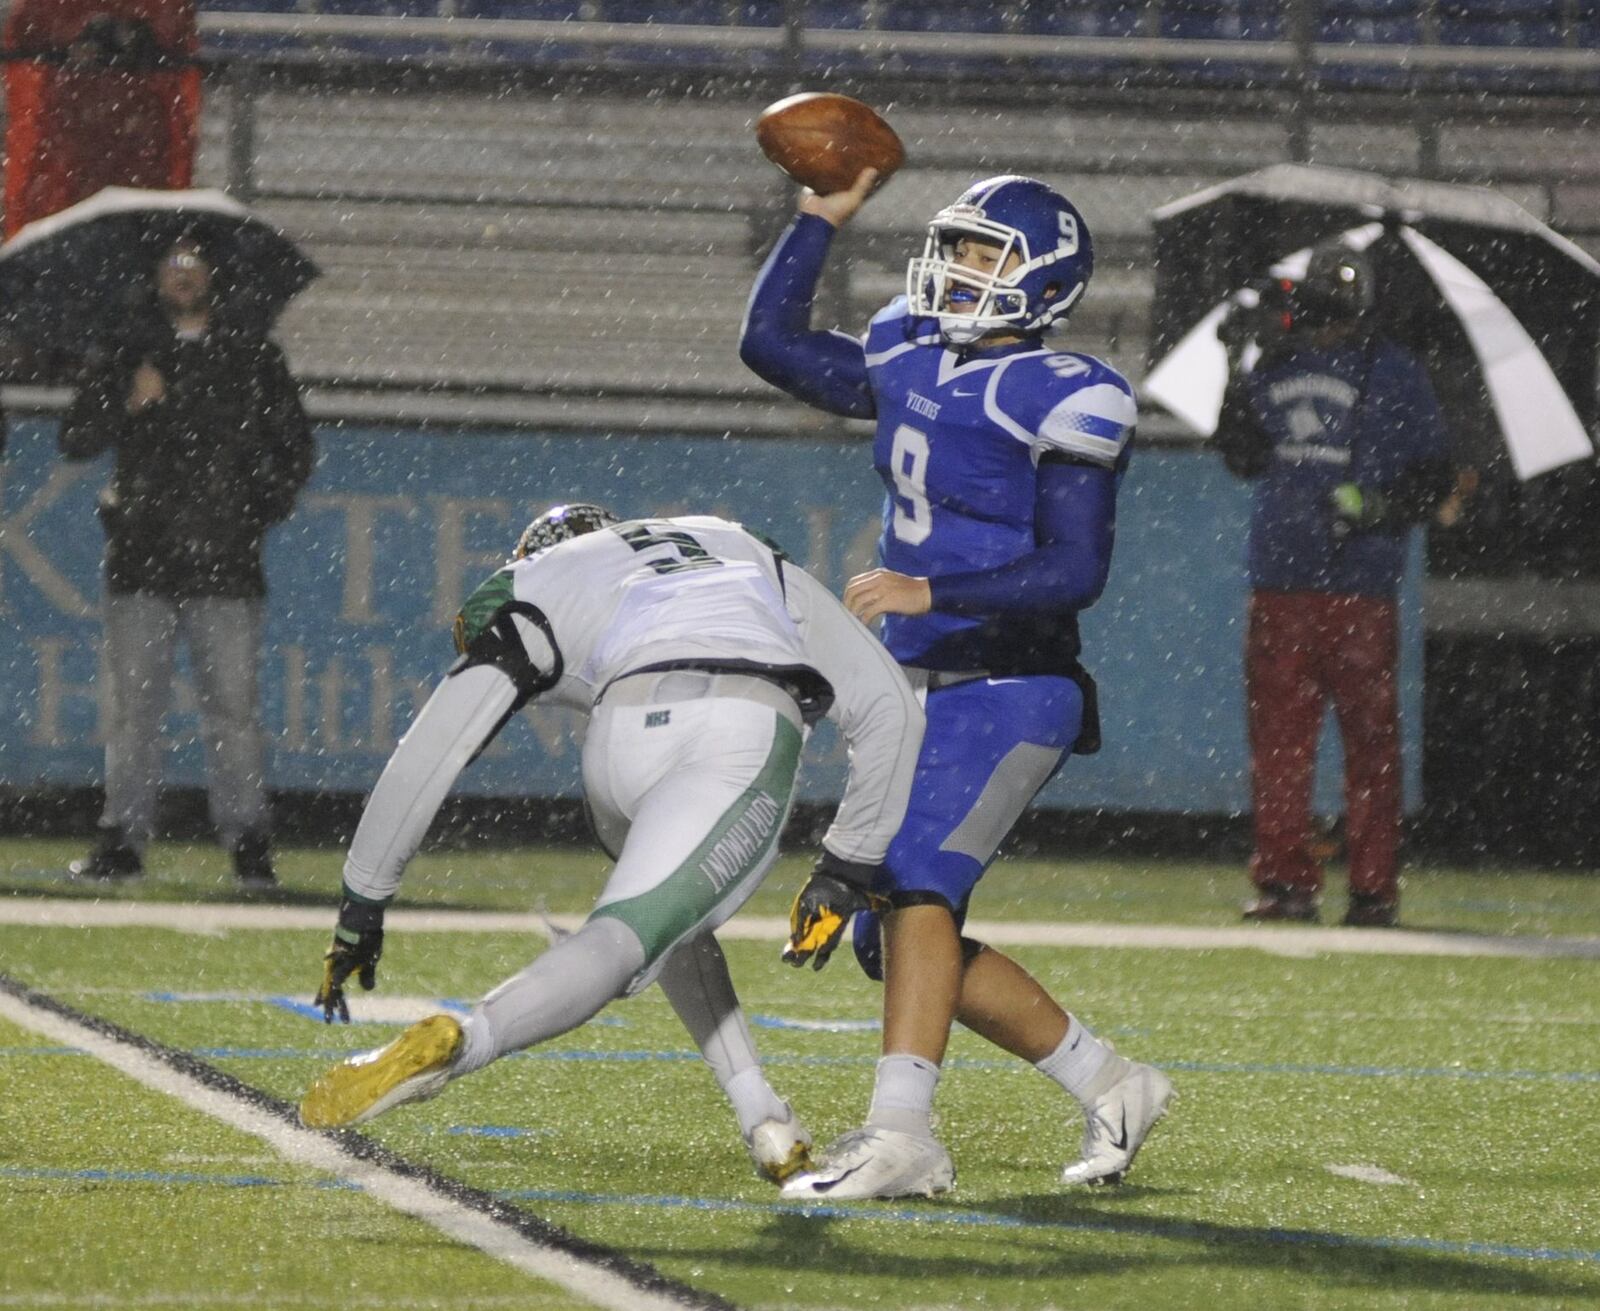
(836, 890)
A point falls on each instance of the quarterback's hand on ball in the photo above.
(839, 207)
(836, 890)
(356, 948)
(884, 592)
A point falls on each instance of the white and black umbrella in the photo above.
(70, 279)
(1503, 310)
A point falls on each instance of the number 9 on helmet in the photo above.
(1019, 217)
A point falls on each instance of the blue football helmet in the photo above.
(561, 523)
(1019, 216)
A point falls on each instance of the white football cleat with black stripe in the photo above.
(1117, 1123)
(875, 1163)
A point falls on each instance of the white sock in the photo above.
(1082, 1064)
(753, 1100)
(902, 1098)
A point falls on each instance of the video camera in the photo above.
(1337, 288)
(1263, 311)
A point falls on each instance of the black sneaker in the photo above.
(252, 861)
(1372, 911)
(113, 859)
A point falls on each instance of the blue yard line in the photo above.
(167, 1177)
(311, 1011)
(41, 1051)
(307, 1010)
(624, 1057)
(1140, 1227)
(1137, 1227)
(276, 1053)
(495, 1131)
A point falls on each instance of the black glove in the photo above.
(356, 949)
(836, 890)
(1357, 510)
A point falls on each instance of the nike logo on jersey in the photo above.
(959, 392)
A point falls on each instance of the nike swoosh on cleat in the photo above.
(1120, 1142)
(828, 1185)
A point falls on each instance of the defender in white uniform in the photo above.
(701, 655)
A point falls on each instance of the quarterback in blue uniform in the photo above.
(1001, 458)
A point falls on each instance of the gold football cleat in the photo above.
(412, 1068)
(780, 1148)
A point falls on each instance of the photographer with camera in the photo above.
(1339, 433)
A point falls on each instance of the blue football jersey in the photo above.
(958, 444)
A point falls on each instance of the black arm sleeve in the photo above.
(1245, 444)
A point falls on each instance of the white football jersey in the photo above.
(565, 623)
(691, 590)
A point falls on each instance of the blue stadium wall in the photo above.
(398, 525)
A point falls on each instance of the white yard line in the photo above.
(1297, 940)
(584, 1279)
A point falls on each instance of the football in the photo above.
(823, 140)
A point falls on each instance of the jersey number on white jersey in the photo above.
(684, 551)
(908, 463)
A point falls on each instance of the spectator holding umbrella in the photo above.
(211, 447)
(1338, 431)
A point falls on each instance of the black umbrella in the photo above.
(71, 279)
(1505, 312)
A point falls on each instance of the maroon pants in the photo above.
(1303, 648)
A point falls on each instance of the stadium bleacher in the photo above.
(537, 244)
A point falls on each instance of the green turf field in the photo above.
(1362, 1131)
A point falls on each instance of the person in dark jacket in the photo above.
(212, 446)
(1339, 433)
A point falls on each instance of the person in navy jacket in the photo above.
(1339, 434)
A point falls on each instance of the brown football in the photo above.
(823, 140)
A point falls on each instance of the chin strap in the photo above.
(960, 330)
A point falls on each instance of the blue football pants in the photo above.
(990, 745)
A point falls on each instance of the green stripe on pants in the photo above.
(740, 840)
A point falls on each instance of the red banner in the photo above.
(99, 93)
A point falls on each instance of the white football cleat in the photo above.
(875, 1163)
(1117, 1122)
(780, 1148)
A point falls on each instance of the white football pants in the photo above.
(689, 778)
